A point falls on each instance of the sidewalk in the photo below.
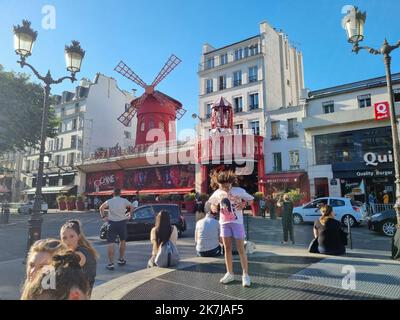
(277, 273)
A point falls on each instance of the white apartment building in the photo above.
(88, 122)
(260, 73)
(286, 152)
(349, 151)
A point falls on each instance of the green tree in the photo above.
(21, 107)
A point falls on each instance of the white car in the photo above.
(346, 211)
(26, 208)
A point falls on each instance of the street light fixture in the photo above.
(24, 39)
(353, 23)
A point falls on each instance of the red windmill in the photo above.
(154, 109)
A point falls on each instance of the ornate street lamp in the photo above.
(353, 23)
(24, 39)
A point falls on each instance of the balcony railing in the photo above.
(253, 79)
(254, 106)
(237, 83)
(293, 135)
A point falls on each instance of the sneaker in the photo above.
(284, 242)
(110, 266)
(228, 277)
(246, 280)
(121, 262)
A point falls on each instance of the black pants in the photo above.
(287, 225)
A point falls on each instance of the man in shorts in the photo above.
(116, 218)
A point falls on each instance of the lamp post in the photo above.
(24, 39)
(353, 23)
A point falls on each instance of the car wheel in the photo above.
(297, 219)
(349, 220)
(388, 228)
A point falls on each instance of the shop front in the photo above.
(362, 162)
(278, 183)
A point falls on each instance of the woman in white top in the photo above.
(161, 233)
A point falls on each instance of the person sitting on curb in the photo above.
(162, 232)
(329, 233)
(207, 236)
(63, 279)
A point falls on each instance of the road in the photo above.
(13, 243)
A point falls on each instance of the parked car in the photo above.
(346, 211)
(143, 220)
(383, 222)
(26, 208)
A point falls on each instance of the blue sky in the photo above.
(145, 33)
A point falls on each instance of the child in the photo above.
(231, 204)
(72, 236)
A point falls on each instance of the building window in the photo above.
(238, 104)
(364, 101)
(253, 101)
(74, 124)
(396, 93)
(209, 85)
(142, 125)
(277, 161)
(238, 128)
(237, 78)
(253, 50)
(76, 107)
(62, 111)
(255, 127)
(253, 72)
(73, 141)
(224, 58)
(238, 54)
(222, 82)
(210, 63)
(292, 128)
(275, 130)
(71, 158)
(328, 107)
(208, 110)
(294, 160)
(57, 160)
(61, 143)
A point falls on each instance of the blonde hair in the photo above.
(221, 177)
(326, 211)
(82, 241)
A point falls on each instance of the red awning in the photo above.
(131, 192)
(283, 177)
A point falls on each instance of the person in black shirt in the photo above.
(329, 233)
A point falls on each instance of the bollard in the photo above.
(349, 233)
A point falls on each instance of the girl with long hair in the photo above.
(72, 236)
(161, 233)
(231, 200)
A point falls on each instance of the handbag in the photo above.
(313, 247)
(167, 255)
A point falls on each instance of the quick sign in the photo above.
(382, 110)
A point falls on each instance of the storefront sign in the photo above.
(382, 110)
(373, 159)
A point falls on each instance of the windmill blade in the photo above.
(170, 65)
(127, 116)
(179, 113)
(127, 72)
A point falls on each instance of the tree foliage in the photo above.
(21, 107)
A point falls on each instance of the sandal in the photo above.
(121, 262)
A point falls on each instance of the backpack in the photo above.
(167, 255)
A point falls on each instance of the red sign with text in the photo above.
(382, 110)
